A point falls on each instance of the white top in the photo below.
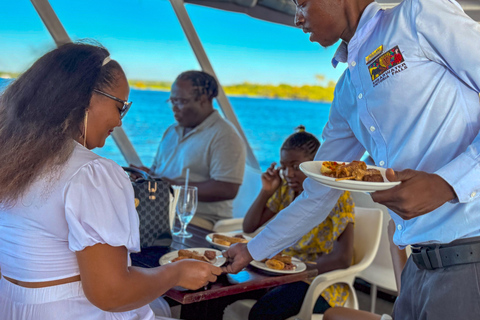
(212, 150)
(90, 201)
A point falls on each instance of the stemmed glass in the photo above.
(186, 207)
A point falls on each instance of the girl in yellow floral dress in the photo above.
(330, 244)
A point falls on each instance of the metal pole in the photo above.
(193, 39)
(51, 21)
(60, 36)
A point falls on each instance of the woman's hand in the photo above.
(194, 274)
(271, 179)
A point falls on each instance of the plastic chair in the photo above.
(247, 193)
(380, 273)
(368, 229)
(228, 225)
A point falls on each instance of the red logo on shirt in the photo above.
(386, 61)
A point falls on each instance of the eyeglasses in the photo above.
(179, 102)
(126, 104)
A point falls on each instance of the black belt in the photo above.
(440, 256)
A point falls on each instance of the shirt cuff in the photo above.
(463, 175)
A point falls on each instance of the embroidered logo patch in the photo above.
(372, 55)
(387, 64)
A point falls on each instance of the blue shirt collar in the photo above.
(341, 55)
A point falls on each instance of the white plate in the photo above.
(218, 261)
(300, 266)
(209, 238)
(312, 170)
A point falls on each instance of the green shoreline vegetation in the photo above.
(323, 93)
(282, 91)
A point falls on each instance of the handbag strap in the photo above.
(142, 173)
(145, 176)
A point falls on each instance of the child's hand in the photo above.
(271, 179)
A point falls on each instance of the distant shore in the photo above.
(251, 90)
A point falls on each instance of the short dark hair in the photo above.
(302, 140)
(41, 112)
(202, 82)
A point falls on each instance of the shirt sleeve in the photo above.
(228, 156)
(314, 204)
(100, 207)
(457, 48)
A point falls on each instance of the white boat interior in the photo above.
(380, 273)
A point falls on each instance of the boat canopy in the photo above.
(283, 11)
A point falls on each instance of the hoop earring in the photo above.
(85, 122)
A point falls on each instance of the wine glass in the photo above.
(186, 207)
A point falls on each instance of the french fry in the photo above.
(216, 237)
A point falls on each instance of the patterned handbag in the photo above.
(152, 201)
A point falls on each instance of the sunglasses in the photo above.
(126, 104)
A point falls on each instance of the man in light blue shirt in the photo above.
(410, 98)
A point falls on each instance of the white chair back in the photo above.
(368, 229)
(380, 273)
(248, 192)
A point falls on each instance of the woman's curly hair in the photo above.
(42, 111)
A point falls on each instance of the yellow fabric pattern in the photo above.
(321, 239)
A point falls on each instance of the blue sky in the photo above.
(145, 37)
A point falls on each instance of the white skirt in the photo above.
(66, 301)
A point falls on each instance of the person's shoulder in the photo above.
(411, 8)
(81, 156)
(84, 160)
(170, 129)
(402, 9)
(225, 127)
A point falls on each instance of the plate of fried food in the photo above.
(351, 176)
(209, 255)
(224, 240)
(280, 263)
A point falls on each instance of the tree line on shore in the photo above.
(322, 93)
(282, 91)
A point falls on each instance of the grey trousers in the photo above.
(446, 293)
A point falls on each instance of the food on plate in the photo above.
(228, 240)
(355, 170)
(222, 242)
(274, 264)
(283, 258)
(207, 256)
(330, 166)
(280, 262)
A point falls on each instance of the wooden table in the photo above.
(202, 304)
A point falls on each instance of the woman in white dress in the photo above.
(67, 216)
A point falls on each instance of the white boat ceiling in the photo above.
(283, 11)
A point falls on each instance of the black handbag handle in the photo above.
(145, 176)
(141, 173)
